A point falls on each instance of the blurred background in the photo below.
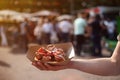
(24, 22)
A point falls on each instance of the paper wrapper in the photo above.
(67, 48)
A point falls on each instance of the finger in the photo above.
(52, 68)
(36, 65)
(41, 66)
(49, 67)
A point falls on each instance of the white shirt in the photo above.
(38, 31)
(47, 27)
(3, 36)
(22, 28)
(79, 26)
(65, 26)
(110, 26)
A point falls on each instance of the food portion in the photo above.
(50, 54)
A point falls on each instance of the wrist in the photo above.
(118, 37)
(71, 64)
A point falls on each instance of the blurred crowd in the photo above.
(80, 30)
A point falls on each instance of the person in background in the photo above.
(80, 25)
(30, 32)
(58, 31)
(65, 27)
(38, 31)
(4, 41)
(47, 29)
(15, 36)
(23, 34)
(54, 35)
(109, 66)
(111, 27)
(96, 35)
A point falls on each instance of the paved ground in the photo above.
(15, 66)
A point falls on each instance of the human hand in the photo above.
(48, 67)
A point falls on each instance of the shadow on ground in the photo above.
(4, 64)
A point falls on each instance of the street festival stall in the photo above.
(10, 16)
(11, 19)
(65, 16)
(45, 13)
